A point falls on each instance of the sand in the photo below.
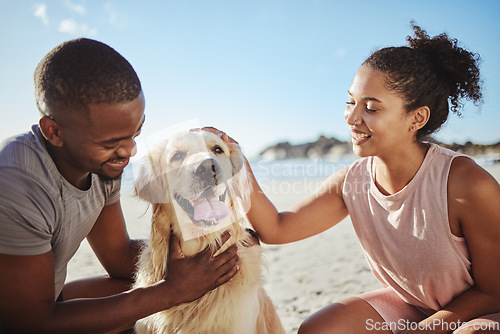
(302, 277)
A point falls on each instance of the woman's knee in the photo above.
(349, 316)
(326, 320)
(318, 323)
(478, 327)
(307, 327)
(476, 331)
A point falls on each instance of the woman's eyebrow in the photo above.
(367, 98)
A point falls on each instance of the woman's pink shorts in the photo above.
(400, 316)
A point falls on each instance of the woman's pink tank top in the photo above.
(406, 237)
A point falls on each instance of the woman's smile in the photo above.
(359, 137)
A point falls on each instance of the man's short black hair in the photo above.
(81, 72)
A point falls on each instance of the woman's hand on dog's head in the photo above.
(191, 277)
(218, 132)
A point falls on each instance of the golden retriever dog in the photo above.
(199, 184)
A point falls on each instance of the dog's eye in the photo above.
(217, 149)
(178, 156)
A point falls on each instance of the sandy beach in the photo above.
(302, 277)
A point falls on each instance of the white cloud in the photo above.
(41, 13)
(80, 9)
(71, 27)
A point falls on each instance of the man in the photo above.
(60, 183)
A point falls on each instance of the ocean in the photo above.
(267, 171)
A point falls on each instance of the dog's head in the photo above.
(202, 177)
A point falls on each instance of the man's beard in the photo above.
(106, 178)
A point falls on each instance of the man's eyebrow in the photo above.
(367, 98)
(115, 140)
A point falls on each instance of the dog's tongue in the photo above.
(210, 208)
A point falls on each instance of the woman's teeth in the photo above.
(359, 135)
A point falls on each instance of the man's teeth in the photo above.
(118, 161)
(359, 136)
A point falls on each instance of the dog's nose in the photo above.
(207, 168)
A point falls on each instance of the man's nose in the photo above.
(127, 149)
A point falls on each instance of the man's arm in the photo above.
(116, 252)
(111, 243)
(27, 290)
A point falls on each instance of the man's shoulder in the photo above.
(25, 152)
(26, 155)
(17, 149)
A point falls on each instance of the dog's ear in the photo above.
(240, 183)
(151, 181)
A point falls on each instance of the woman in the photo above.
(427, 218)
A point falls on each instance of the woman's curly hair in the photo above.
(432, 72)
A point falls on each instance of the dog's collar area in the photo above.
(189, 208)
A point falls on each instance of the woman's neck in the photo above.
(394, 172)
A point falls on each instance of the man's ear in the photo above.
(51, 131)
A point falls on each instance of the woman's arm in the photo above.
(315, 214)
(474, 210)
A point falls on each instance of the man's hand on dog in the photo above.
(191, 277)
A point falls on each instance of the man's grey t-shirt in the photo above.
(40, 211)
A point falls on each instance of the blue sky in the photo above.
(263, 71)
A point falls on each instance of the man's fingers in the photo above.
(227, 275)
(226, 256)
(227, 265)
(175, 251)
(214, 253)
(225, 237)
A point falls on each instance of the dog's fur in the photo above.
(237, 307)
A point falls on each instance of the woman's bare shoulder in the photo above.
(473, 194)
(467, 178)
